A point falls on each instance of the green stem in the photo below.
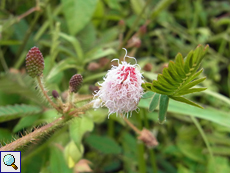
(111, 128)
(204, 138)
(135, 23)
(3, 62)
(141, 151)
(28, 33)
(81, 109)
(151, 151)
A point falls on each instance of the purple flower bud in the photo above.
(34, 62)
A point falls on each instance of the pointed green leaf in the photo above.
(148, 94)
(188, 62)
(169, 77)
(164, 82)
(179, 60)
(189, 91)
(174, 77)
(161, 87)
(147, 86)
(198, 55)
(172, 67)
(196, 74)
(164, 101)
(193, 83)
(184, 100)
(154, 102)
(155, 89)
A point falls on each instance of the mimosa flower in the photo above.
(121, 90)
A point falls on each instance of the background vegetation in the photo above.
(83, 37)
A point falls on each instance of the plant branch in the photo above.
(83, 108)
(135, 23)
(21, 142)
(27, 35)
(46, 96)
(132, 126)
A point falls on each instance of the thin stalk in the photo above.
(46, 96)
(28, 33)
(151, 151)
(135, 23)
(3, 62)
(204, 138)
(132, 126)
(141, 151)
(25, 140)
(111, 128)
(81, 109)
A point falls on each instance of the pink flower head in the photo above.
(121, 90)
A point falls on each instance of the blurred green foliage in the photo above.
(82, 37)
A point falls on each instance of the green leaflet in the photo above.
(163, 106)
(16, 111)
(179, 77)
(154, 102)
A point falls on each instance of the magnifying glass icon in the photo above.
(9, 160)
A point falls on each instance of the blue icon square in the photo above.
(10, 161)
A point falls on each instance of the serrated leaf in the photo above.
(184, 100)
(78, 13)
(78, 127)
(163, 107)
(154, 102)
(103, 144)
(16, 111)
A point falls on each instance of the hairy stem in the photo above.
(19, 143)
(83, 108)
(46, 96)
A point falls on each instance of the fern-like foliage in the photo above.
(178, 79)
(16, 111)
